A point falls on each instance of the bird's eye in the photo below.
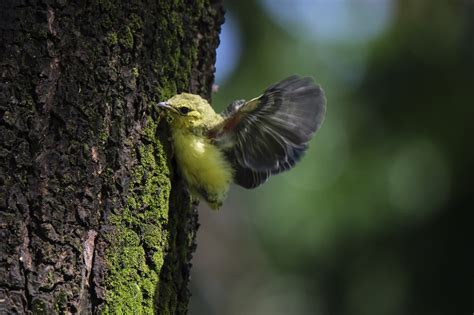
(184, 110)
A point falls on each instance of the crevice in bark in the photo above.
(26, 259)
(94, 301)
(182, 225)
(27, 295)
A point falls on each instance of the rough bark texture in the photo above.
(93, 216)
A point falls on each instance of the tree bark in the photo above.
(93, 216)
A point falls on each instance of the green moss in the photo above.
(167, 90)
(60, 303)
(103, 136)
(133, 25)
(135, 72)
(126, 37)
(136, 22)
(112, 38)
(136, 253)
(50, 278)
(107, 5)
(38, 307)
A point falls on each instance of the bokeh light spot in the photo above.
(419, 178)
(340, 20)
(325, 160)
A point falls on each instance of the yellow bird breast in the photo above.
(203, 165)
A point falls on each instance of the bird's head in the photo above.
(189, 111)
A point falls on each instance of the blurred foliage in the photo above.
(377, 218)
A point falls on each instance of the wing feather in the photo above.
(269, 134)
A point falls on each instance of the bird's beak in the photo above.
(164, 105)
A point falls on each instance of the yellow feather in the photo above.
(203, 165)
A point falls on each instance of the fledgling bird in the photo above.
(247, 142)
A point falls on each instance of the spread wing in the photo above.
(269, 134)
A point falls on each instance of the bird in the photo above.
(246, 143)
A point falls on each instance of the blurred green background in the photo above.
(378, 216)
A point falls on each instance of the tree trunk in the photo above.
(93, 216)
